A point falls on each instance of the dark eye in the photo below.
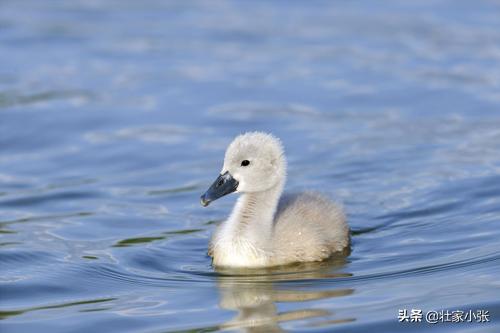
(245, 162)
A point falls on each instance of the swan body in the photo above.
(265, 227)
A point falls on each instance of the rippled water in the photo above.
(114, 117)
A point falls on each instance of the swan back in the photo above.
(309, 227)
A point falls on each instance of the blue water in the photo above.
(114, 118)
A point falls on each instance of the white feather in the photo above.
(266, 228)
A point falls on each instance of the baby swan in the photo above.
(266, 228)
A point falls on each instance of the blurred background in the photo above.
(114, 118)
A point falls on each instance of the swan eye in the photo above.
(245, 162)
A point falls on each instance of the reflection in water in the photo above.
(255, 293)
(6, 314)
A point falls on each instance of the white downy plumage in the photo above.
(265, 227)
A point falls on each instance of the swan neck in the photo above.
(245, 238)
(253, 214)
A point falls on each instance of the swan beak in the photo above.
(224, 184)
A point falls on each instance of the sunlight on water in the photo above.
(114, 118)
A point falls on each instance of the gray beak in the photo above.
(224, 184)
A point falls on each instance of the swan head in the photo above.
(254, 162)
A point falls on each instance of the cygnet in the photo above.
(265, 227)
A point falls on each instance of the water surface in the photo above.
(114, 117)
